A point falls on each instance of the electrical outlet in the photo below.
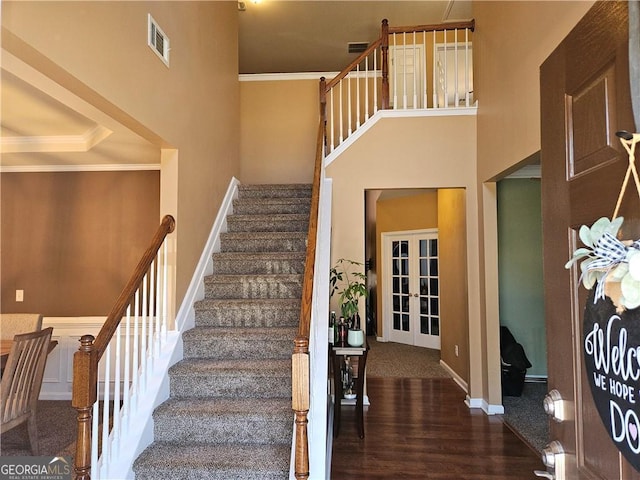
(19, 295)
(456, 350)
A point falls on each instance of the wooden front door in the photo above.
(585, 100)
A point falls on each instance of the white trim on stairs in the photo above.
(185, 319)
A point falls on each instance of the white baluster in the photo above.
(340, 116)
(165, 290)
(349, 124)
(415, 74)
(366, 88)
(444, 70)
(358, 96)
(466, 67)
(404, 70)
(95, 415)
(455, 64)
(115, 438)
(424, 69)
(127, 364)
(375, 80)
(143, 336)
(156, 328)
(106, 454)
(395, 69)
(332, 122)
(152, 314)
(435, 69)
(135, 375)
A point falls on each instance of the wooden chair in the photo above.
(12, 324)
(21, 382)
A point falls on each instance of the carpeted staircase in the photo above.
(229, 413)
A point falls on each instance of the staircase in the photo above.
(229, 412)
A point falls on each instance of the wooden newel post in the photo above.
(384, 48)
(83, 397)
(300, 404)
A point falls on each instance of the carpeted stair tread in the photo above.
(223, 420)
(263, 242)
(274, 190)
(261, 262)
(253, 286)
(290, 222)
(202, 378)
(257, 205)
(260, 312)
(239, 343)
(164, 461)
(268, 369)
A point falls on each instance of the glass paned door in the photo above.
(412, 310)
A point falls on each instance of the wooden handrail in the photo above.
(300, 358)
(111, 323)
(334, 81)
(438, 27)
(85, 360)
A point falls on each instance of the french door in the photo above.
(411, 290)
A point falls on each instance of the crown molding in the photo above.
(269, 77)
(79, 168)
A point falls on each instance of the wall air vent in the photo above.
(357, 47)
(158, 41)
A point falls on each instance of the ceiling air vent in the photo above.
(158, 41)
(357, 47)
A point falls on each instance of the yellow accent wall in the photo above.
(98, 50)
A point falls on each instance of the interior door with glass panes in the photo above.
(411, 291)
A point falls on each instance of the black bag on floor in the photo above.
(514, 364)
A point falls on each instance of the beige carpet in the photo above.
(57, 430)
(391, 359)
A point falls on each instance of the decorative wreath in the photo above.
(612, 265)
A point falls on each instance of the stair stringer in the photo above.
(140, 435)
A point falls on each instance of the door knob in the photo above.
(556, 407)
(543, 474)
(553, 458)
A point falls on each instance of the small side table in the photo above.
(337, 355)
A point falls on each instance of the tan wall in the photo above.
(454, 308)
(70, 240)
(99, 51)
(511, 41)
(278, 130)
(410, 153)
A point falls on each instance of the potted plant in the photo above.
(346, 279)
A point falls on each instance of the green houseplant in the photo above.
(347, 279)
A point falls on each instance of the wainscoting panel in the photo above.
(58, 374)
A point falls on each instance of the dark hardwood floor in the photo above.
(421, 429)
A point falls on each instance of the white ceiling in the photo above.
(44, 127)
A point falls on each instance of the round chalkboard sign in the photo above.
(611, 346)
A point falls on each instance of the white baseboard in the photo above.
(456, 378)
(481, 403)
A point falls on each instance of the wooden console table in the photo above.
(337, 356)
